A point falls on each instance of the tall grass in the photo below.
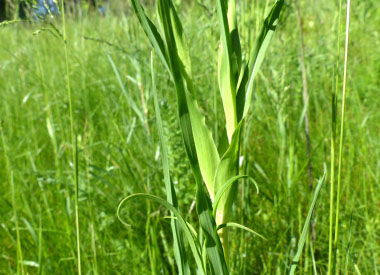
(74, 146)
(117, 157)
(215, 166)
(333, 242)
(341, 138)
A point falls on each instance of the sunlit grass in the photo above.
(117, 156)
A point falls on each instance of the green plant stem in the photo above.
(342, 128)
(333, 142)
(73, 141)
(19, 262)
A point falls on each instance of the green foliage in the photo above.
(118, 156)
(207, 166)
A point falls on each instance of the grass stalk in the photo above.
(179, 246)
(19, 261)
(341, 139)
(73, 139)
(332, 149)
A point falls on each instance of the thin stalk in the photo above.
(342, 127)
(332, 176)
(19, 262)
(333, 141)
(40, 255)
(73, 142)
(144, 107)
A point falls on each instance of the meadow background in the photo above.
(110, 80)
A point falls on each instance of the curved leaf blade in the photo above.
(237, 225)
(225, 187)
(305, 229)
(193, 245)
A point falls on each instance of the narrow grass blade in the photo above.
(235, 40)
(257, 55)
(180, 41)
(213, 244)
(305, 230)
(192, 242)
(130, 100)
(226, 186)
(192, 229)
(341, 135)
(152, 33)
(76, 202)
(179, 245)
(227, 81)
(237, 225)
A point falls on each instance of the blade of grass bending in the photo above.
(178, 243)
(225, 187)
(244, 95)
(238, 225)
(305, 229)
(192, 242)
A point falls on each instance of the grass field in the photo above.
(118, 144)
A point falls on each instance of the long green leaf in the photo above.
(192, 242)
(257, 55)
(179, 245)
(305, 229)
(205, 148)
(152, 33)
(226, 78)
(189, 122)
(213, 245)
(192, 129)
